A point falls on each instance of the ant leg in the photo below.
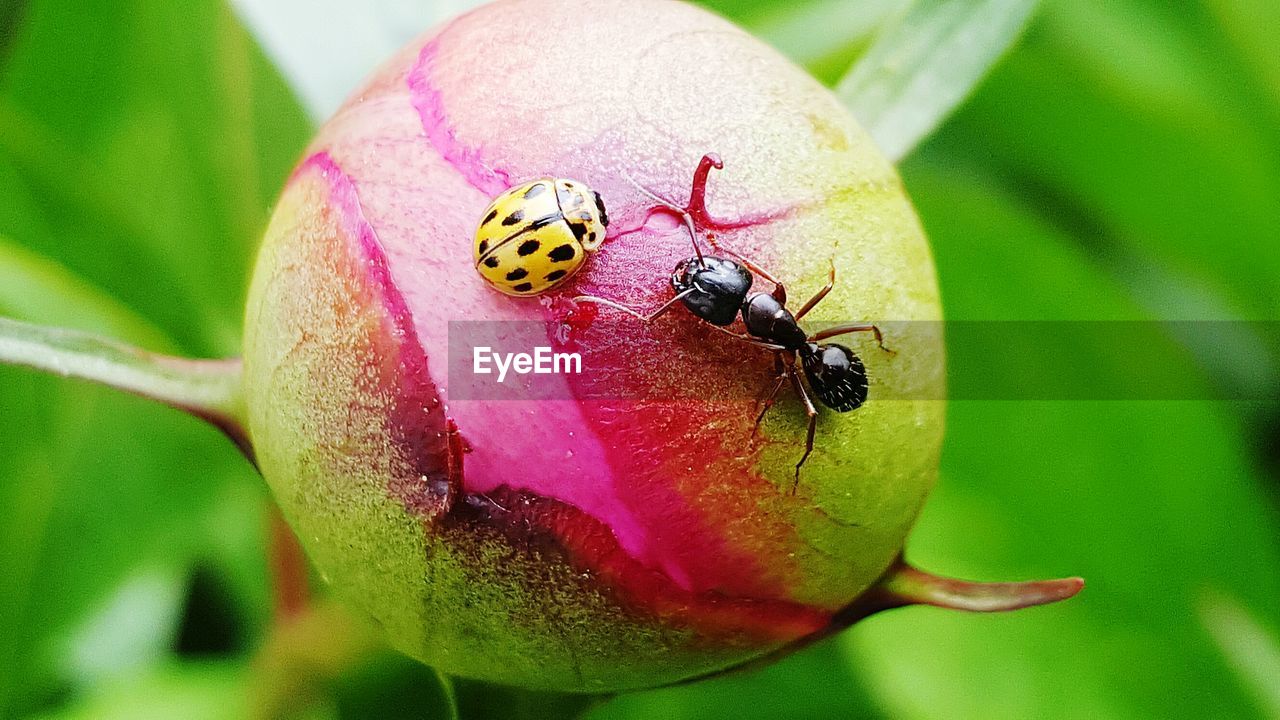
(749, 339)
(631, 311)
(812, 412)
(817, 298)
(743, 259)
(847, 329)
(768, 400)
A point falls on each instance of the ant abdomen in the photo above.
(836, 375)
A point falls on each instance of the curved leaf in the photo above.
(136, 192)
(922, 66)
(1152, 502)
(37, 288)
(326, 48)
(152, 175)
(1250, 648)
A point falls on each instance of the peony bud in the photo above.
(593, 541)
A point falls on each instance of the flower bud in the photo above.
(604, 540)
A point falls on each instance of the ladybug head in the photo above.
(604, 215)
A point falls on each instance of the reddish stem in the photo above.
(903, 585)
(907, 585)
(288, 567)
(697, 207)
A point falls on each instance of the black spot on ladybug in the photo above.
(534, 191)
(517, 274)
(491, 262)
(543, 221)
(484, 246)
(513, 218)
(528, 247)
(591, 238)
(489, 218)
(556, 275)
(579, 230)
(522, 287)
(563, 253)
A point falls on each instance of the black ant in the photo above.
(718, 289)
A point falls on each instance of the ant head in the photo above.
(836, 375)
(716, 287)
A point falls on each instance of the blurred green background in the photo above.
(1120, 162)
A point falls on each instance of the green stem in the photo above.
(904, 584)
(907, 585)
(207, 389)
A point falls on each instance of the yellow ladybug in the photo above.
(536, 235)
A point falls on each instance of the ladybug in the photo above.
(536, 235)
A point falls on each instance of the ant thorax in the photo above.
(768, 319)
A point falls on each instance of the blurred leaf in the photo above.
(191, 691)
(822, 31)
(1250, 648)
(476, 700)
(137, 192)
(43, 553)
(1249, 28)
(33, 286)
(10, 20)
(1153, 503)
(394, 685)
(817, 683)
(326, 48)
(129, 632)
(922, 66)
(329, 662)
(160, 164)
(99, 487)
(1133, 127)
